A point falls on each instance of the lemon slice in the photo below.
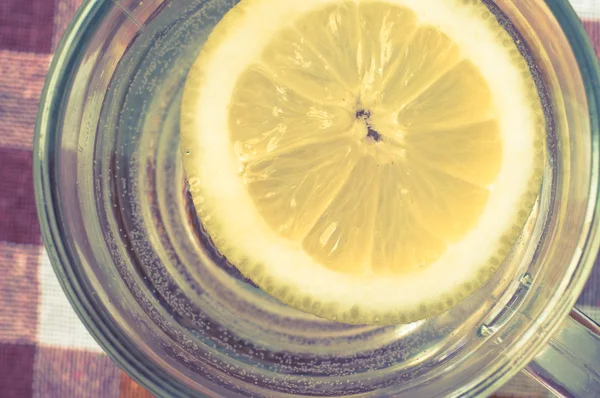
(364, 161)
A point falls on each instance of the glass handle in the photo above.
(569, 366)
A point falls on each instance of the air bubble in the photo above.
(485, 331)
(526, 280)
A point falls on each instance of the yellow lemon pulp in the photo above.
(365, 161)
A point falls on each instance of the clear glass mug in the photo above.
(134, 260)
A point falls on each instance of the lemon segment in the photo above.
(266, 117)
(332, 32)
(460, 96)
(448, 207)
(428, 55)
(472, 153)
(365, 161)
(293, 189)
(291, 58)
(386, 31)
(401, 243)
(340, 240)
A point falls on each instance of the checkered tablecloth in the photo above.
(44, 349)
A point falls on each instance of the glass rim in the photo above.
(124, 352)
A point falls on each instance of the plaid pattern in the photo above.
(44, 349)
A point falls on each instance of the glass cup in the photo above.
(142, 275)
